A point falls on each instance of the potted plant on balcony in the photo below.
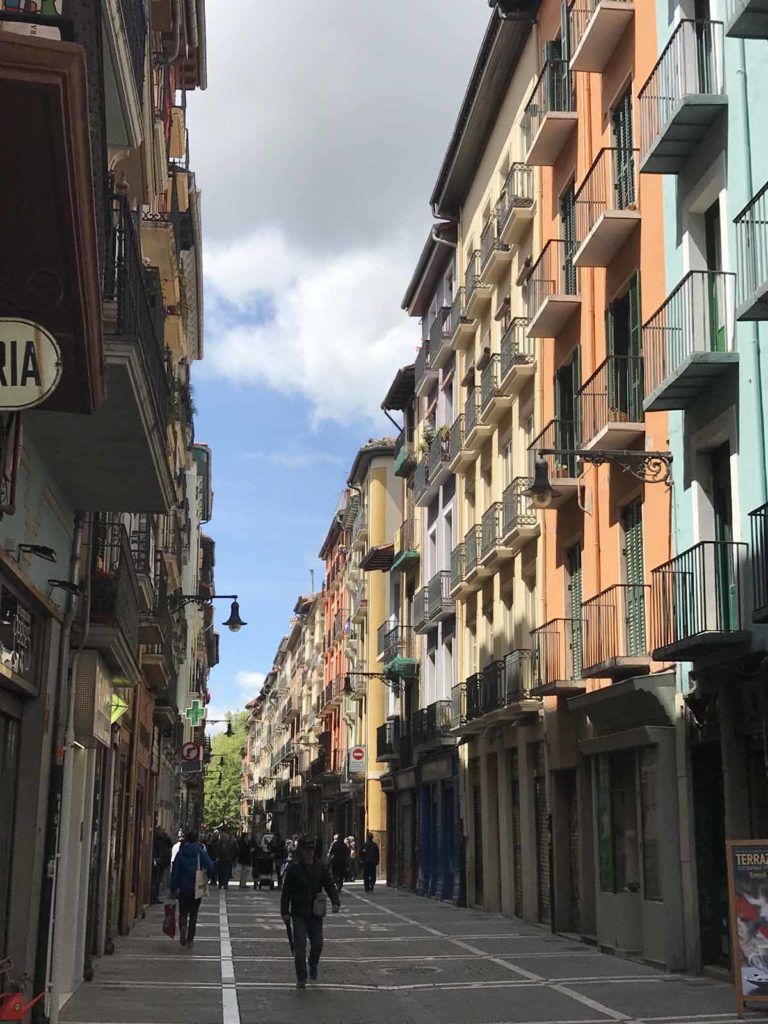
(427, 437)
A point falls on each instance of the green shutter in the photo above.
(576, 590)
(634, 576)
(635, 386)
(624, 164)
(568, 219)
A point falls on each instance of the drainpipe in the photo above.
(741, 74)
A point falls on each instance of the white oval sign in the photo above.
(30, 364)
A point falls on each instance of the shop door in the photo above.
(517, 841)
(543, 852)
(711, 872)
(447, 844)
(9, 755)
(634, 607)
(570, 797)
(478, 830)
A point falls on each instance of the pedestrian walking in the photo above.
(352, 868)
(191, 858)
(243, 859)
(227, 856)
(370, 856)
(214, 851)
(318, 848)
(303, 906)
(338, 858)
(279, 853)
(177, 844)
(161, 861)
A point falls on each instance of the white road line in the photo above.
(229, 1006)
(593, 1004)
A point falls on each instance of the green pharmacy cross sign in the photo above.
(195, 713)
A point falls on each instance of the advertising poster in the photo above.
(748, 900)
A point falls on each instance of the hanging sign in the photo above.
(30, 364)
(748, 901)
(357, 759)
(191, 752)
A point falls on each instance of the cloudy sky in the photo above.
(316, 145)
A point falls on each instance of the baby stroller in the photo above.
(263, 870)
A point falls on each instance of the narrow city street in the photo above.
(388, 957)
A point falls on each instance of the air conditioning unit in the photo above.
(93, 699)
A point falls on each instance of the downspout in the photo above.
(741, 74)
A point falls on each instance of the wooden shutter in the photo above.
(624, 165)
(635, 369)
(634, 576)
(575, 588)
(568, 218)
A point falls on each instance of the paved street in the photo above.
(390, 957)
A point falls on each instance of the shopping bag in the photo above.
(201, 881)
(169, 921)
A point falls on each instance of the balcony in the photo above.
(421, 622)
(697, 602)
(596, 27)
(615, 636)
(432, 726)
(495, 255)
(518, 357)
(682, 98)
(405, 456)
(519, 522)
(611, 405)
(557, 647)
(493, 551)
(133, 419)
(563, 470)
(477, 293)
(440, 338)
(494, 402)
(157, 634)
(606, 206)
(424, 372)
(359, 536)
(400, 654)
(359, 602)
(114, 624)
(476, 570)
(459, 326)
(405, 549)
(688, 342)
(550, 115)
(458, 570)
(438, 459)
(752, 256)
(459, 455)
(440, 604)
(759, 529)
(553, 290)
(746, 19)
(388, 740)
(516, 206)
(475, 430)
(501, 692)
(421, 491)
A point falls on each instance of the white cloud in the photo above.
(251, 682)
(295, 458)
(336, 335)
(220, 715)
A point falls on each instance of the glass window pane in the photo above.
(624, 822)
(650, 823)
(604, 823)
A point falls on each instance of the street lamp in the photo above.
(229, 731)
(650, 467)
(234, 623)
(390, 679)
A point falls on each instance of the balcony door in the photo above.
(715, 296)
(567, 383)
(623, 141)
(575, 591)
(704, 54)
(624, 346)
(634, 576)
(722, 509)
(568, 222)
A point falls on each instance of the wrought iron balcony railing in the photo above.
(614, 624)
(557, 649)
(114, 587)
(143, 543)
(432, 723)
(456, 440)
(399, 643)
(382, 634)
(517, 349)
(473, 544)
(458, 566)
(613, 394)
(405, 455)
(455, 315)
(610, 185)
(439, 600)
(421, 610)
(423, 364)
(516, 194)
(439, 333)
(759, 529)
(752, 256)
(560, 435)
(439, 453)
(516, 509)
(135, 22)
(552, 93)
(472, 276)
(552, 274)
(471, 411)
(490, 241)
(388, 740)
(491, 529)
(420, 479)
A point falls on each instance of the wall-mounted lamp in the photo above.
(67, 586)
(234, 623)
(390, 679)
(38, 550)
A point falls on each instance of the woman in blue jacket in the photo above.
(192, 856)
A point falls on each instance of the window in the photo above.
(650, 823)
(627, 822)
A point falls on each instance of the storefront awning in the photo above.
(378, 559)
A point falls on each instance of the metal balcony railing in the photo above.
(516, 194)
(405, 455)
(491, 529)
(360, 525)
(135, 22)
(489, 381)
(517, 349)
(691, 64)
(698, 316)
(614, 624)
(388, 739)
(557, 647)
(456, 441)
(472, 275)
(421, 610)
(516, 509)
(399, 643)
(610, 184)
(752, 254)
(519, 675)
(562, 436)
(405, 539)
(143, 543)
(471, 411)
(458, 566)
(552, 93)
(439, 453)
(138, 293)
(420, 479)
(473, 697)
(455, 314)
(439, 333)
(697, 596)
(759, 529)
(489, 241)
(439, 600)
(422, 364)
(114, 587)
(613, 394)
(553, 273)
(432, 724)
(473, 545)
(382, 634)
(580, 13)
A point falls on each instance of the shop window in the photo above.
(649, 761)
(628, 822)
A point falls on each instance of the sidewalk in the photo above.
(388, 958)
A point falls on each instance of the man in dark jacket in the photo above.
(304, 880)
(370, 856)
(338, 859)
(243, 858)
(192, 856)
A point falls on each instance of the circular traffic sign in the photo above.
(358, 753)
(190, 752)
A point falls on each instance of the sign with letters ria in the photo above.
(30, 364)
(748, 897)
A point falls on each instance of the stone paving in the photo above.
(388, 957)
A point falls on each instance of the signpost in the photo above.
(30, 364)
(356, 760)
(748, 902)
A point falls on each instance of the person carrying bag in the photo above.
(303, 905)
(192, 871)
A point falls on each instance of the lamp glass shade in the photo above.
(347, 689)
(228, 732)
(540, 492)
(234, 622)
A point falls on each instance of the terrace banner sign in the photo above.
(30, 364)
(748, 898)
